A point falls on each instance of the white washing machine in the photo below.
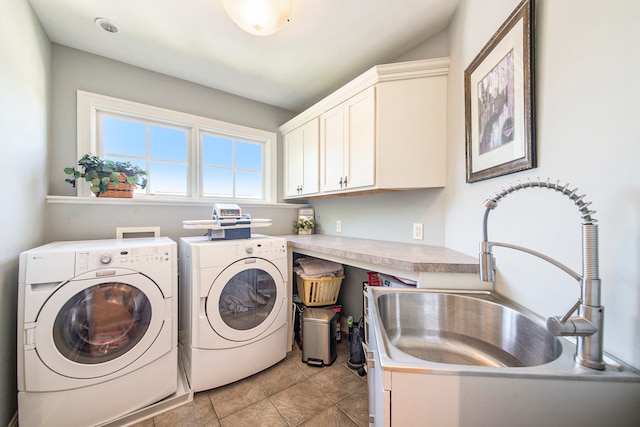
(233, 308)
(97, 330)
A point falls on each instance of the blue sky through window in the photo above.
(124, 137)
(217, 151)
(230, 167)
(168, 144)
(160, 150)
(249, 156)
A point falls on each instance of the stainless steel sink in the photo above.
(462, 358)
(464, 329)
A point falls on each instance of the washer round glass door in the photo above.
(102, 322)
(94, 327)
(245, 299)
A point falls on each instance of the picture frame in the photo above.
(499, 100)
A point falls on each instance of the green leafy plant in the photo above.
(100, 172)
(304, 224)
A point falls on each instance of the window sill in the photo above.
(139, 201)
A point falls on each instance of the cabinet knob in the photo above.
(345, 181)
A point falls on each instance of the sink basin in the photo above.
(464, 329)
(463, 357)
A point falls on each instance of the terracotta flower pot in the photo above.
(124, 190)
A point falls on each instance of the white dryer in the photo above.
(97, 330)
(233, 308)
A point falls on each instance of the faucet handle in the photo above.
(485, 257)
(571, 326)
(574, 327)
(573, 308)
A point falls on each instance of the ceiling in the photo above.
(325, 44)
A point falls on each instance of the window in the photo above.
(156, 147)
(188, 157)
(231, 167)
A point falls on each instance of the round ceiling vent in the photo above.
(108, 25)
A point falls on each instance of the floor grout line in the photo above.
(293, 360)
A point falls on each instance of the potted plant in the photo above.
(108, 178)
(304, 226)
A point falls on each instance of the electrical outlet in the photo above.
(338, 226)
(418, 231)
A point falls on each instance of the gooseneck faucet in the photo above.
(588, 323)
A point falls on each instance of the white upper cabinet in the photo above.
(301, 147)
(385, 130)
(347, 144)
(333, 142)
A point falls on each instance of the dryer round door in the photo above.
(94, 327)
(245, 299)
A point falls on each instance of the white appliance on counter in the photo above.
(97, 330)
(233, 308)
(227, 223)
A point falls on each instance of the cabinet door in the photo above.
(293, 146)
(332, 149)
(301, 163)
(379, 398)
(360, 147)
(310, 154)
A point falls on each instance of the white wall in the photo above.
(587, 90)
(390, 216)
(385, 216)
(74, 70)
(588, 86)
(68, 221)
(24, 100)
(436, 47)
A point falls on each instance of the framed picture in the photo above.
(499, 101)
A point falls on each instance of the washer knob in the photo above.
(105, 259)
(249, 249)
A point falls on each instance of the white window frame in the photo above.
(88, 104)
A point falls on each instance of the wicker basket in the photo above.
(319, 291)
(124, 190)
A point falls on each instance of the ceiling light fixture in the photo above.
(259, 17)
(107, 25)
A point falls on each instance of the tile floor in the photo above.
(289, 393)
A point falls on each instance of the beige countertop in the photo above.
(392, 255)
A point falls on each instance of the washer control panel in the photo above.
(134, 258)
(221, 253)
(262, 247)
